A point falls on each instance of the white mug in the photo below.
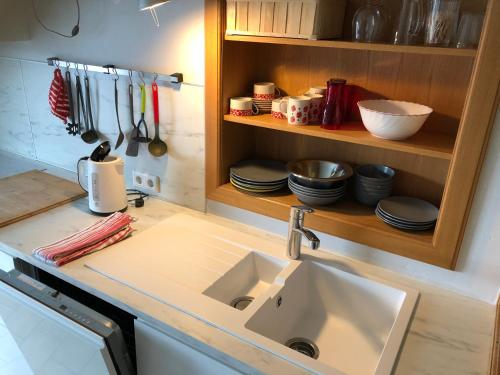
(297, 110)
(276, 111)
(321, 90)
(315, 108)
(242, 106)
(265, 91)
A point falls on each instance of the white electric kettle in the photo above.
(105, 181)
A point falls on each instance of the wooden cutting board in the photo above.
(30, 193)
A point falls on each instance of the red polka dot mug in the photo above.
(315, 115)
(297, 110)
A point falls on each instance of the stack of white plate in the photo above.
(407, 213)
(316, 196)
(264, 106)
(259, 176)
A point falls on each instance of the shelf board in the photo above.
(341, 44)
(346, 219)
(423, 143)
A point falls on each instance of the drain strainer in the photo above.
(241, 303)
(304, 346)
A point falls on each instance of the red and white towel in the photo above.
(58, 97)
(103, 233)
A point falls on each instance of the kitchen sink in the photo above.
(247, 280)
(316, 312)
(346, 321)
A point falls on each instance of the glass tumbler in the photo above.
(442, 22)
(410, 22)
(370, 23)
(469, 30)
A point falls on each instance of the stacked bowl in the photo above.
(318, 182)
(372, 183)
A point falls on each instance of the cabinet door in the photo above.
(159, 354)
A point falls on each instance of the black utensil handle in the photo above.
(89, 106)
(70, 97)
(116, 105)
(81, 103)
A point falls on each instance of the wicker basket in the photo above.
(305, 19)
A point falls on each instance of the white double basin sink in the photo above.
(313, 313)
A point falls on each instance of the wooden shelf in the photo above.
(355, 46)
(346, 219)
(434, 145)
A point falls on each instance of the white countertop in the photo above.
(450, 334)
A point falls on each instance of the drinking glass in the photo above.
(370, 22)
(469, 30)
(442, 22)
(410, 22)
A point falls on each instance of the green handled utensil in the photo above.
(145, 139)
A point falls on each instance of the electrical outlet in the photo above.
(152, 183)
(139, 179)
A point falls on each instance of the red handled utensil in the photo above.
(156, 147)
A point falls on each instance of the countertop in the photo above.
(450, 334)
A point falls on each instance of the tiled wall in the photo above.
(28, 128)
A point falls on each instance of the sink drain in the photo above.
(304, 346)
(241, 303)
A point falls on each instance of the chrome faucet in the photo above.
(296, 230)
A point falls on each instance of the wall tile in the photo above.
(181, 170)
(15, 132)
(52, 143)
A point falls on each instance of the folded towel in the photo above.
(99, 235)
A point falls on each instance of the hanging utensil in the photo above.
(72, 127)
(133, 145)
(80, 105)
(90, 135)
(145, 139)
(121, 136)
(157, 147)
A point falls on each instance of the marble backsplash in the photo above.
(29, 129)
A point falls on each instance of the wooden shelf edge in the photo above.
(341, 44)
(434, 145)
(418, 246)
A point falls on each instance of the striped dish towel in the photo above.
(103, 233)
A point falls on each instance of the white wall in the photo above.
(478, 269)
(112, 32)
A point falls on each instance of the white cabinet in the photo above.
(159, 354)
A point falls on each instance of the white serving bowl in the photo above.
(392, 119)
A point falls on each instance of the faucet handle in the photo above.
(302, 209)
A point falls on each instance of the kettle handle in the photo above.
(78, 173)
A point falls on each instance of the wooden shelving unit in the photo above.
(346, 212)
(436, 145)
(342, 44)
(441, 163)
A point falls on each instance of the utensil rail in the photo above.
(176, 78)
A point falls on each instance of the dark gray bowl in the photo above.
(374, 172)
(319, 173)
